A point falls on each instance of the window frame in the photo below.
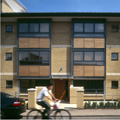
(9, 31)
(8, 59)
(9, 81)
(112, 85)
(115, 30)
(115, 59)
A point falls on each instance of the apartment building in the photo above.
(67, 49)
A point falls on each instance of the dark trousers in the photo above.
(45, 105)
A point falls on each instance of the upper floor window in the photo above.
(34, 58)
(44, 27)
(23, 27)
(89, 27)
(34, 27)
(115, 28)
(9, 28)
(99, 27)
(89, 58)
(78, 27)
(8, 56)
(114, 56)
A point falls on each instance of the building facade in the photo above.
(79, 49)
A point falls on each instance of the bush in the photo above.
(111, 105)
(118, 105)
(114, 104)
(87, 105)
(107, 105)
(101, 105)
(94, 105)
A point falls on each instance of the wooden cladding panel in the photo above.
(78, 42)
(88, 42)
(88, 70)
(44, 43)
(99, 43)
(44, 70)
(23, 70)
(34, 71)
(99, 70)
(34, 42)
(23, 43)
(78, 70)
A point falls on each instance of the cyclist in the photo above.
(45, 93)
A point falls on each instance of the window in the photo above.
(9, 84)
(78, 56)
(89, 27)
(23, 27)
(23, 56)
(90, 86)
(44, 56)
(99, 56)
(8, 56)
(78, 27)
(114, 84)
(99, 27)
(115, 28)
(44, 27)
(114, 56)
(42, 82)
(9, 28)
(34, 27)
(24, 85)
(88, 56)
(34, 55)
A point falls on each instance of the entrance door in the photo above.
(61, 90)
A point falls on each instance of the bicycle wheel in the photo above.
(62, 114)
(34, 114)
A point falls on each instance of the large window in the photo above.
(34, 58)
(89, 29)
(23, 27)
(90, 86)
(44, 27)
(89, 58)
(34, 27)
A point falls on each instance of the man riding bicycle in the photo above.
(45, 93)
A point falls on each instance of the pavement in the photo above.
(72, 108)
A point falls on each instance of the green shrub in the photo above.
(107, 105)
(118, 104)
(114, 104)
(111, 105)
(87, 105)
(101, 105)
(94, 105)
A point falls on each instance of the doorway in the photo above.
(61, 89)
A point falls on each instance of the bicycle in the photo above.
(59, 113)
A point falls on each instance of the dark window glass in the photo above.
(114, 84)
(115, 28)
(89, 27)
(78, 56)
(99, 27)
(88, 35)
(78, 83)
(88, 56)
(24, 85)
(23, 27)
(88, 84)
(44, 27)
(98, 84)
(34, 55)
(9, 84)
(23, 56)
(34, 35)
(44, 55)
(34, 27)
(9, 28)
(42, 82)
(8, 56)
(78, 27)
(114, 56)
(99, 56)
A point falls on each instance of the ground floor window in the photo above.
(25, 84)
(90, 86)
(9, 84)
(114, 85)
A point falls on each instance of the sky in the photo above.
(71, 5)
